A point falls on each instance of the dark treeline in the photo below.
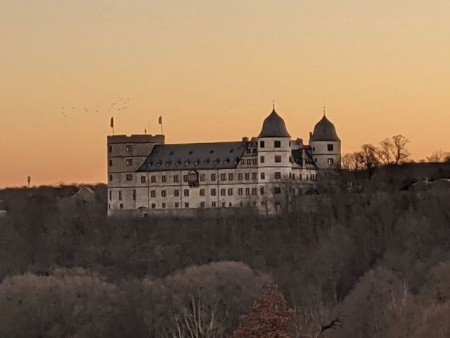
(367, 250)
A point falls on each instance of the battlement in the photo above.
(132, 139)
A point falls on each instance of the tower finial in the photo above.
(324, 110)
(273, 104)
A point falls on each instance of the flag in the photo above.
(160, 120)
(111, 124)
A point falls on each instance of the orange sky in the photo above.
(212, 68)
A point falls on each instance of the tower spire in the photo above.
(324, 111)
(273, 104)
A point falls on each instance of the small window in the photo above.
(213, 177)
(240, 191)
(330, 147)
(249, 161)
(277, 144)
(202, 192)
(263, 176)
(176, 193)
(229, 204)
(152, 193)
(121, 205)
(111, 177)
(153, 179)
(202, 177)
(277, 175)
(261, 144)
(186, 192)
(223, 204)
(277, 158)
(129, 148)
(120, 195)
(230, 192)
(223, 177)
(164, 178)
(110, 195)
(110, 163)
(163, 193)
(255, 161)
(262, 159)
(153, 205)
(129, 177)
(134, 194)
(247, 191)
(254, 191)
(240, 176)
(110, 149)
(247, 176)
(202, 204)
(186, 205)
(177, 205)
(230, 176)
(163, 205)
(142, 179)
(185, 178)
(129, 162)
(222, 192)
(277, 190)
(261, 190)
(213, 204)
(254, 176)
(213, 192)
(254, 150)
(330, 161)
(175, 179)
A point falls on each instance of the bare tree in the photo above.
(399, 150)
(439, 156)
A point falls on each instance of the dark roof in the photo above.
(195, 156)
(324, 131)
(274, 126)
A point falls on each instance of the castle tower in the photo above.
(325, 145)
(274, 159)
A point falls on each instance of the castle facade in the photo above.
(148, 177)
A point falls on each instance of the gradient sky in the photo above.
(212, 68)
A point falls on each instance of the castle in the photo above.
(148, 177)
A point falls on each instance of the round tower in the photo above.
(325, 145)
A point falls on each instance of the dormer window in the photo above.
(262, 144)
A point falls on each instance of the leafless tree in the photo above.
(439, 156)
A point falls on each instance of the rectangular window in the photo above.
(330, 147)
(177, 205)
(134, 194)
(121, 206)
(240, 191)
(277, 144)
(175, 179)
(254, 150)
(120, 195)
(223, 177)
(229, 204)
(222, 192)
(254, 191)
(164, 178)
(247, 176)
(262, 159)
(223, 204)
(186, 192)
(261, 190)
(213, 177)
(277, 175)
(263, 176)
(176, 192)
(153, 205)
(163, 193)
(247, 191)
(240, 176)
(202, 204)
(110, 149)
(129, 177)
(213, 204)
(153, 179)
(129, 148)
(129, 162)
(230, 192)
(110, 163)
(277, 158)
(254, 176)
(163, 205)
(213, 192)
(202, 177)
(111, 177)
(330, 161)
(277, 190)
(293, 176)
(202, 192)
(152, 193)
(110, 195)
(230, 177)
(261, 144)
(186, 205)
(185, 178)
(142, 179)
(255, 161)
(249, 161)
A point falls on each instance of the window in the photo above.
(223, 204)
(213, 192)
(175, 179)
(277, 144)
(300, 177)
(213, 177)
(223, 177)
(248, 150)
(164, 178)
(186, 205)
(121, 205)
(293, 176)
(134, 194)
(142, 179)
(213, 204)
(240, 191)
(129, 162)
(249, 161)
(120, 195)
(202, 204)
(129, 177)
(202, 192)
(254, 176)
(277, 175)
(247, 176)
(277, 158)
(330, 161)
(254, 150)
(110, 149)
(110, 163)
(176, 192)
(261, 144)
(290, 159)
(254, 191)
(261, 190)
(129, 148)
(152, 193)
(277, 190)
(163, 205)
(222, 192)
(153, 205)
(111, 177)
(110, 195)
(255, 161)
(240, 176)
(330, 147)
(177, 205)
(186, 192)
(230, 177)
(262, 159)
(230, 192)
(247, 191)
(163, 193)
(185, 178)
(263, 176)
(229, 204)
(153, 179)
(202, 177)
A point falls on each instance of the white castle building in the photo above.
(148, 177)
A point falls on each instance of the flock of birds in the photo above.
(115, 109)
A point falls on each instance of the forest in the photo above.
(366, 254)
